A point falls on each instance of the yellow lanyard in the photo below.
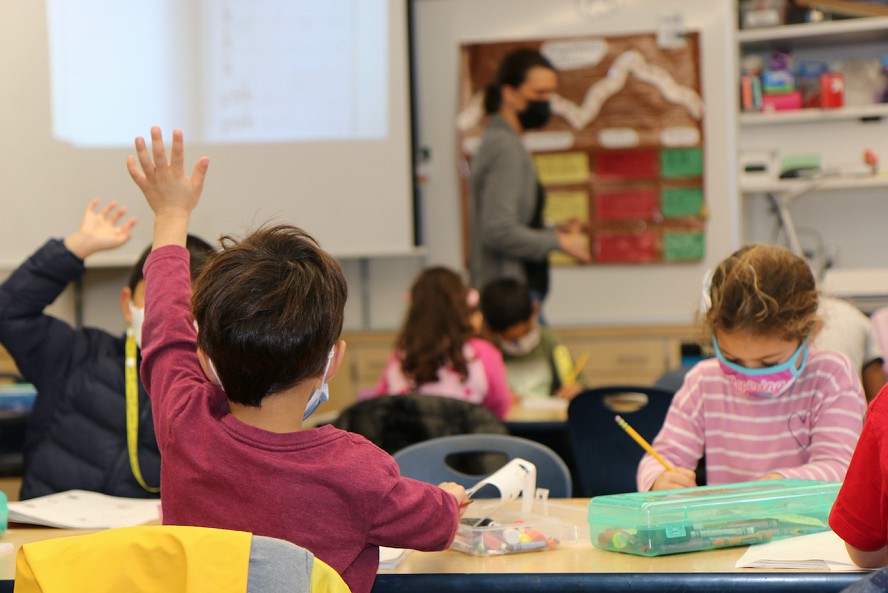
(132, 410)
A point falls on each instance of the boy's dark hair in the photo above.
(505, 302)
(270, 308)
(512, 71)
(199, 251)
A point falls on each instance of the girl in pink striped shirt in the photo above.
(768, 406)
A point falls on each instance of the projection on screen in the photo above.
(225, 71)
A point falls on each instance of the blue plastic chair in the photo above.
(606, 457)
(428, 461)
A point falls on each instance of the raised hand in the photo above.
(165, 185)
(100, 229)
(169, 191)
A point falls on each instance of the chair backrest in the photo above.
(171, 559)
(606, 457)
(393, 422)
(673, 379)
(428, 461)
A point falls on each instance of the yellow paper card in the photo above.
(562, 168)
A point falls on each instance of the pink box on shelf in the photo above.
(782, 102)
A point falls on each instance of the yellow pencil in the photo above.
(644, 444)
(578, 367)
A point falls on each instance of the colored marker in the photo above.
(644, 444)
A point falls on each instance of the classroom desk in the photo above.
(574, 567)
(578, 566)
(541, 416)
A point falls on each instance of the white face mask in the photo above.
(522, 345)
(322, 393)
(137, 318)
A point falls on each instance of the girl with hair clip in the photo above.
(768, 406)
(437, 353)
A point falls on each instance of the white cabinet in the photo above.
(839, 136)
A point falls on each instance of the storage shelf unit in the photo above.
(838, 136)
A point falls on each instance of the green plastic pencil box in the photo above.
(708, 517)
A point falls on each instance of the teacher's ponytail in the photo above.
(493, 98)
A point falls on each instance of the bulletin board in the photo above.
(623, 152)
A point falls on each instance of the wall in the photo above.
(612, 295)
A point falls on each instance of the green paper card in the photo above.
(681, 201)
(681, 162)
(683, 246)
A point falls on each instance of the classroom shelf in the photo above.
(876, 110)
(858, 30)
(792, 186)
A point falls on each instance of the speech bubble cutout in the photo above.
(572, 55)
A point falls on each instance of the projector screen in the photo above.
(302, 106)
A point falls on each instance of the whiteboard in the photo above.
(611, 294)
(79, 75)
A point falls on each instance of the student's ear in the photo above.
(338, 358)
(536, 311)
(126, 295)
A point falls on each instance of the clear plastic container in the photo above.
(492, 529)
(707, 517)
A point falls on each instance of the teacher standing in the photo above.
(507, 200)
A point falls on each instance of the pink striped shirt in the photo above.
(808, 432)
(486, 383)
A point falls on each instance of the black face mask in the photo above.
(535, 115)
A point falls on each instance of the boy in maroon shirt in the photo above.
(230, 397)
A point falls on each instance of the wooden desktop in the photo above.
(574, 566)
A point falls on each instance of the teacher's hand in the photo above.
(575, 245)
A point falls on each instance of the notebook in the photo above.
(816, 551)
(80, 509)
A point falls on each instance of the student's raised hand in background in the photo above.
(100, 230)
(680, 477)
(171, 193)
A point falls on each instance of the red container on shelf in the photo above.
(832, 89)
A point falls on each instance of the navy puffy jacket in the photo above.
(76, 436)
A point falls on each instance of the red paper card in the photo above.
(627, 164)
(631, 203)
(625, 247)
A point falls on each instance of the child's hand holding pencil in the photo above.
(673, 477)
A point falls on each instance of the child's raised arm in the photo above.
(100, 230)
(171, 193)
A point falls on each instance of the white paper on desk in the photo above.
(80, 509)
(816, 551)
(391, 557)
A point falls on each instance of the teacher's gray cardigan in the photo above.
(504, 186)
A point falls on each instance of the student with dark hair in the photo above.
(507, 235)
(437, 351)
(529, 349)
(86, 379)
(233, 374)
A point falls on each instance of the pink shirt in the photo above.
(486, 383)
(327, 490)
(807, 432)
